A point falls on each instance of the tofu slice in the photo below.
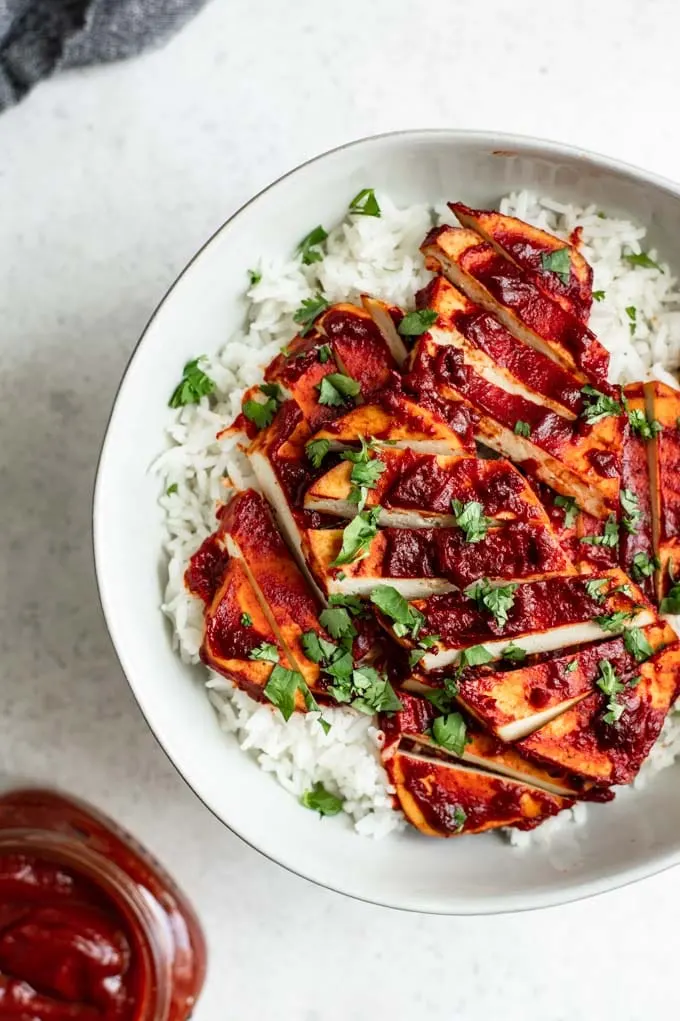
(663, 406)
(423, 561)
(544, 616)
(417, 490)
(611, 753)
(359, 347)
(409, 729)
(530, 248)
(386, 318)
(635, 479)
(495, 354)
(515, 703)
(446, 799)
(399, 420)
(576, 459)
(249, 534)
(501, 287)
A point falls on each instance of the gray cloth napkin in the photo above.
(38, 37)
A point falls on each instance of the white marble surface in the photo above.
(109, 181)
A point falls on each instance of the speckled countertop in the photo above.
(109, 181)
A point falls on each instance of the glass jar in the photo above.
(73, 883)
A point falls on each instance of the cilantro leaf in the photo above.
(570, 667)
(458, 818)
(414, 324)
(643, 566)
(475, 655)
(471, 520)
(571, 511)
(598, 405)
(558, 262)
(318, 649)
(637, 645)
(641, 425)
(373, 692)
(671, 602)
(171, 489)
(609, 537)
(254, 276)
(358, 536)
(318, 799)
(611, 686)
(496, 600)
(367, 474)
(261, 414)
(631, 508)
(352, 603)
(522, 428)
(439, 698)
(337, 621)
(316, 450)
(193, 385)
(247, 621)
(407, 620)
(281, 688)
(595, 587)
(450, 732)
(514, 653)
(308, 247)
(365, 203)
(324, 353)
(309, 311)
(598, 295)
(641, 259)
(265, 651)
(613, 622)
(631, 312)
(272, 390)
(335, 388)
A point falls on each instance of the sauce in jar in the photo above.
(91, 927)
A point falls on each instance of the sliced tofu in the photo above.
(544, 616)
(637, 540)
(416, 490)
(573, 458)
(514, 703)
(445, 799)
(399, 420)
(495, 354)
(420, 562)
(228, 643)
(533, 250)
(410, 729)
(500, 286)
(663, 406)
(386, 318)
(611, 753)
(249, 534)
(358, 346)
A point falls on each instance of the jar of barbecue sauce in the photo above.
(91, 927)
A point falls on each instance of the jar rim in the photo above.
(144, 917)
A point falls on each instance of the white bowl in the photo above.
(637, 835)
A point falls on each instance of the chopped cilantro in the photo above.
(254, 276)
(609, 537)
(324, 353)
(631, 312)
(265, 651)
(318, 799)
(373, 693)
(637, 644)
(641, 425)
(247, 621)
(594, 589)
(598, 295)
(171, 489)
(613, 622)
(522, 428)
(450, 732)
(471, 520)
(475, 655)
(318, 649)
(598, 405)
(571, 512)
(558, 262)
(308, 248)
(261, 413)
(414, 324)
(514, 653)
(671, 602)
(439, 698)
(458, 818)
(316, 450)
(365, 203)
(641, 259)
(309, 311)
(281, 688)
(570, 667)
(335, 388)
(392, 604)
(352, 603)
(336, 620)
(358, 536)
(632, 515)
(611, 686)
(497, 600)
(193, 385)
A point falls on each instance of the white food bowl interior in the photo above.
(633, 837)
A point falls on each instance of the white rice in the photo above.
(379, 256)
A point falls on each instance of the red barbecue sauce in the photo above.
(91, 928)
